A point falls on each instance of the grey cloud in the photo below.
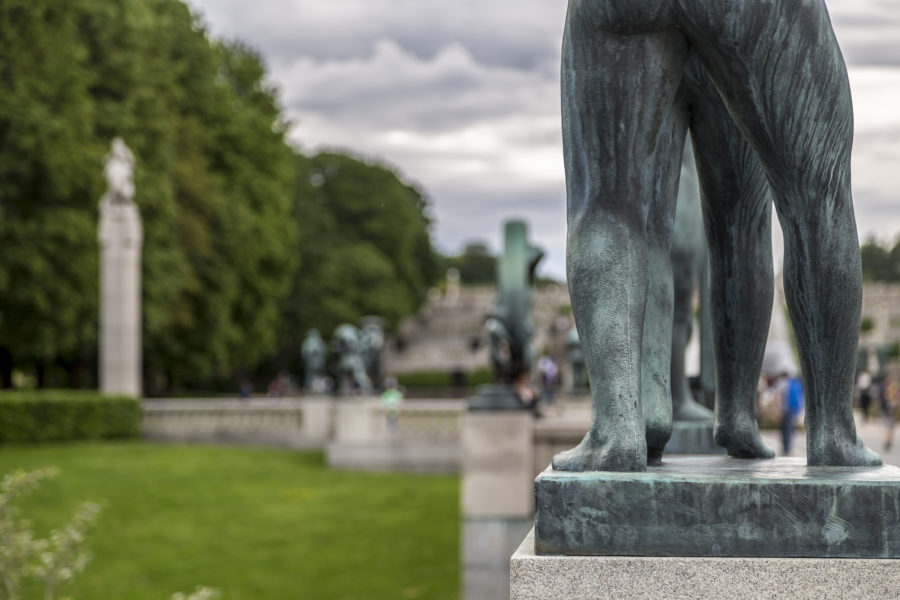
(395, 89)
(358, 72)
(523, 34)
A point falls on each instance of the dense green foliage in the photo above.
(213, 177)
(476, 264)
(228, 283)
(365, 247)
(880, 263)
(58, 415)
(254, 524)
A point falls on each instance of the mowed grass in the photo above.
(253, 523)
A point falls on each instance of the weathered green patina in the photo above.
(708, 506)
(762, 87)
(314, 354)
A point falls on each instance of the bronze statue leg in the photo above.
(737, 217)
(780, 72)
(688, 259)
(618, 92)
(656, 347)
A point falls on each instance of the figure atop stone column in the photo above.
(120, 236)
(509, 327)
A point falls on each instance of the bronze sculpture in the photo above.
(762, 87)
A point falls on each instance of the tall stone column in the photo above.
(497, 497)
(121, 237)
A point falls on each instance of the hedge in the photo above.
(442, 379)
(58, 415)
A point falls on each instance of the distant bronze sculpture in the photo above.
(762, 87)
(315, 353)
(351, 369)
(509, 327)
(372, 343)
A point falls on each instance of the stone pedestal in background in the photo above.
(497, 497)
(422, 439)
(692, 437)
(120, 237)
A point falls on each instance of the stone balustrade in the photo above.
(292, 422)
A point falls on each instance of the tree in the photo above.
(214, 179)
(476, 264)
(365, 246)
(880, 263)
(48, 158)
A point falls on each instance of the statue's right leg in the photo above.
(737, 214)
(618, 91)
(779, 70)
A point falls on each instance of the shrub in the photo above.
(442, 379)
(53, 560)
(57, 415)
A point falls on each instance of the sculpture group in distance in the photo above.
(636, 78)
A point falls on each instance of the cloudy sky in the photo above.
(463, 98)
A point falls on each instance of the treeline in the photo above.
(246, 243)
(880, 263)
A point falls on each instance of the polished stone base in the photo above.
(692, 437)
(721, 506)
(534, 577)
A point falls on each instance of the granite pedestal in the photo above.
(720, 506)
(546, 577)
(496, 497)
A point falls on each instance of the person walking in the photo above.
(791, 405)
(890, 399)
(863, 388)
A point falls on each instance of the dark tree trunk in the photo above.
(40, 373)
(6, 368)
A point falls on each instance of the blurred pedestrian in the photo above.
(890, 399)
(791, 405)
(246, 389)
(525, 392)
(864, 390)
(391, 398)
(549, 371)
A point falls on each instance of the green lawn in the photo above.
(254, 523)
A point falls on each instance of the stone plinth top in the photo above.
(720, 506)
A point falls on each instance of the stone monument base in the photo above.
(693, 437)
(721, 506)
(534, 577)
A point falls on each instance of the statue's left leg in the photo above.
(778, 67)
(688, 256)
(737, 215)
(656, 346)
